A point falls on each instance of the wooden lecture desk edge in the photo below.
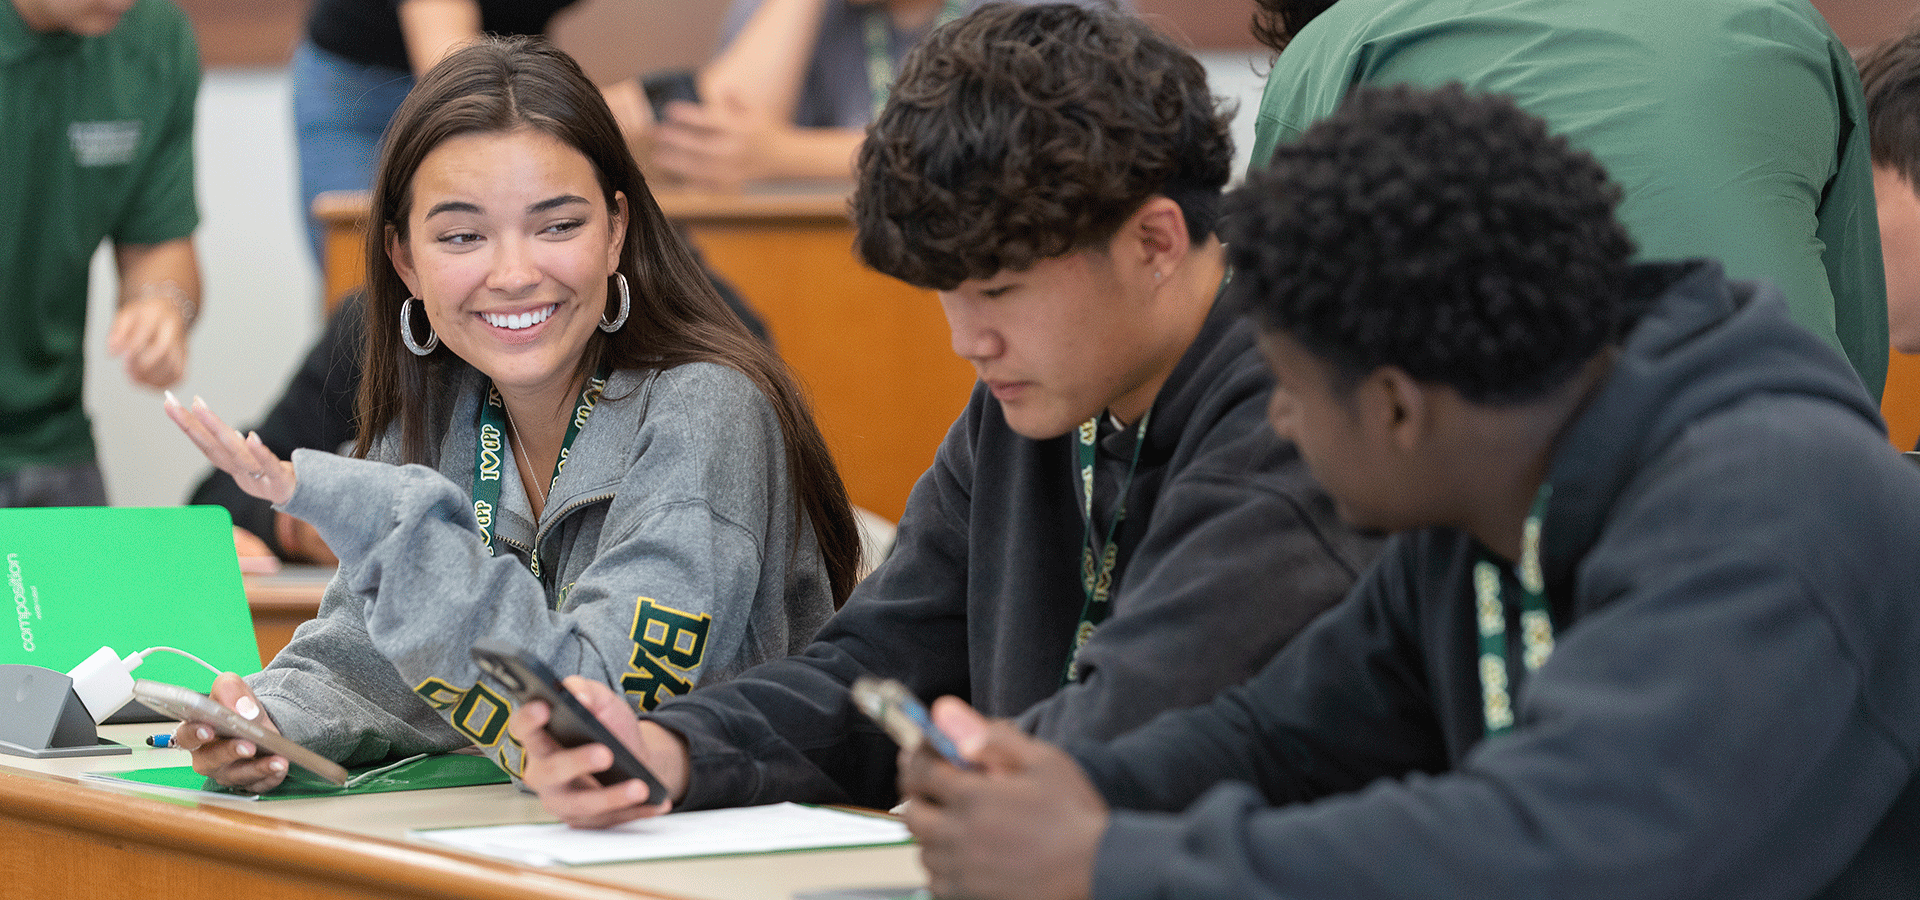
(73, 837)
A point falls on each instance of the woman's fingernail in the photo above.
(247, 708)
(171, 399)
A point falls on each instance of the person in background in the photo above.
(98, 104)
(1646, 624)
(357, 61)
(1890, 78)
(790, 93)
(1735, 127)
(1081, 552)
(568, 443)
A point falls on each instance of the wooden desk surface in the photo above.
(872, 352)
(67, 837)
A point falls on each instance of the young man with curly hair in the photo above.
(1085, 551)
(1646, 625)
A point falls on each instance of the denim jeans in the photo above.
(78, 484)
(340, 109)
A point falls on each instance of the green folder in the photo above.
(130, 578)
(437, 771)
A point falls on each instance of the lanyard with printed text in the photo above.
(879, 49)
(1096, 565)
(1536, 626)
(487, 457)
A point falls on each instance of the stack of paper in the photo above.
(720, 832)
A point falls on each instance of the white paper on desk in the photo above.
(718, 832)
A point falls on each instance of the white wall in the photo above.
(263, 294)
(1239, 76)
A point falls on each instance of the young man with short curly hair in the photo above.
(1083, 553)
(1646, 626)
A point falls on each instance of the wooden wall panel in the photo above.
(1863, 22)
(245, 33)
(617, 38)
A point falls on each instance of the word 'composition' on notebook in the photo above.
(130, 578)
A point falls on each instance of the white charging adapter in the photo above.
(104, 681)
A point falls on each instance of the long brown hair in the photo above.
(499, 85)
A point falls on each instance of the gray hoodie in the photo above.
(668, 560)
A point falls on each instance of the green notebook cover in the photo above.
(130, 578)
(437, 771)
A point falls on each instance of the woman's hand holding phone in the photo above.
(233, 762)
(564, 777)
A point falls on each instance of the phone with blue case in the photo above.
(903, 717)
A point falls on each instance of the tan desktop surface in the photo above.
(69, 837)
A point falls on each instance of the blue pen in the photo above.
(161, 741)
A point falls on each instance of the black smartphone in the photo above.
(666, 86)
(571, 725)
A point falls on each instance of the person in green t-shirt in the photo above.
(1736, 127)
(98, 102)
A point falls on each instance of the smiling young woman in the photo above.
(671, 516)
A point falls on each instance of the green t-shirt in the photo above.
(1736, 128)
(97, 144)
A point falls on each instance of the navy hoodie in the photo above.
(1732, 709)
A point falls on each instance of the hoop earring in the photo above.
(406, 330)
(626, 304)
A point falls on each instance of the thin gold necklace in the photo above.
(520, 448)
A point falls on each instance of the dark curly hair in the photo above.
(1277, 21)
(1442, 232)
(1020, 133)
(1890, 73)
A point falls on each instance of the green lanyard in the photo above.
(487, 460)
(1096, 573)
(1536, 626)
(880, 49)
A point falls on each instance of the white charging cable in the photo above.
(104, 681)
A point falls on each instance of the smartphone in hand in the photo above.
(904, 717)
(571, 725)
(189, 705)
(667, 86)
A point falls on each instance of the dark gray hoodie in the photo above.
(1732, 708)
(1228, 548)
